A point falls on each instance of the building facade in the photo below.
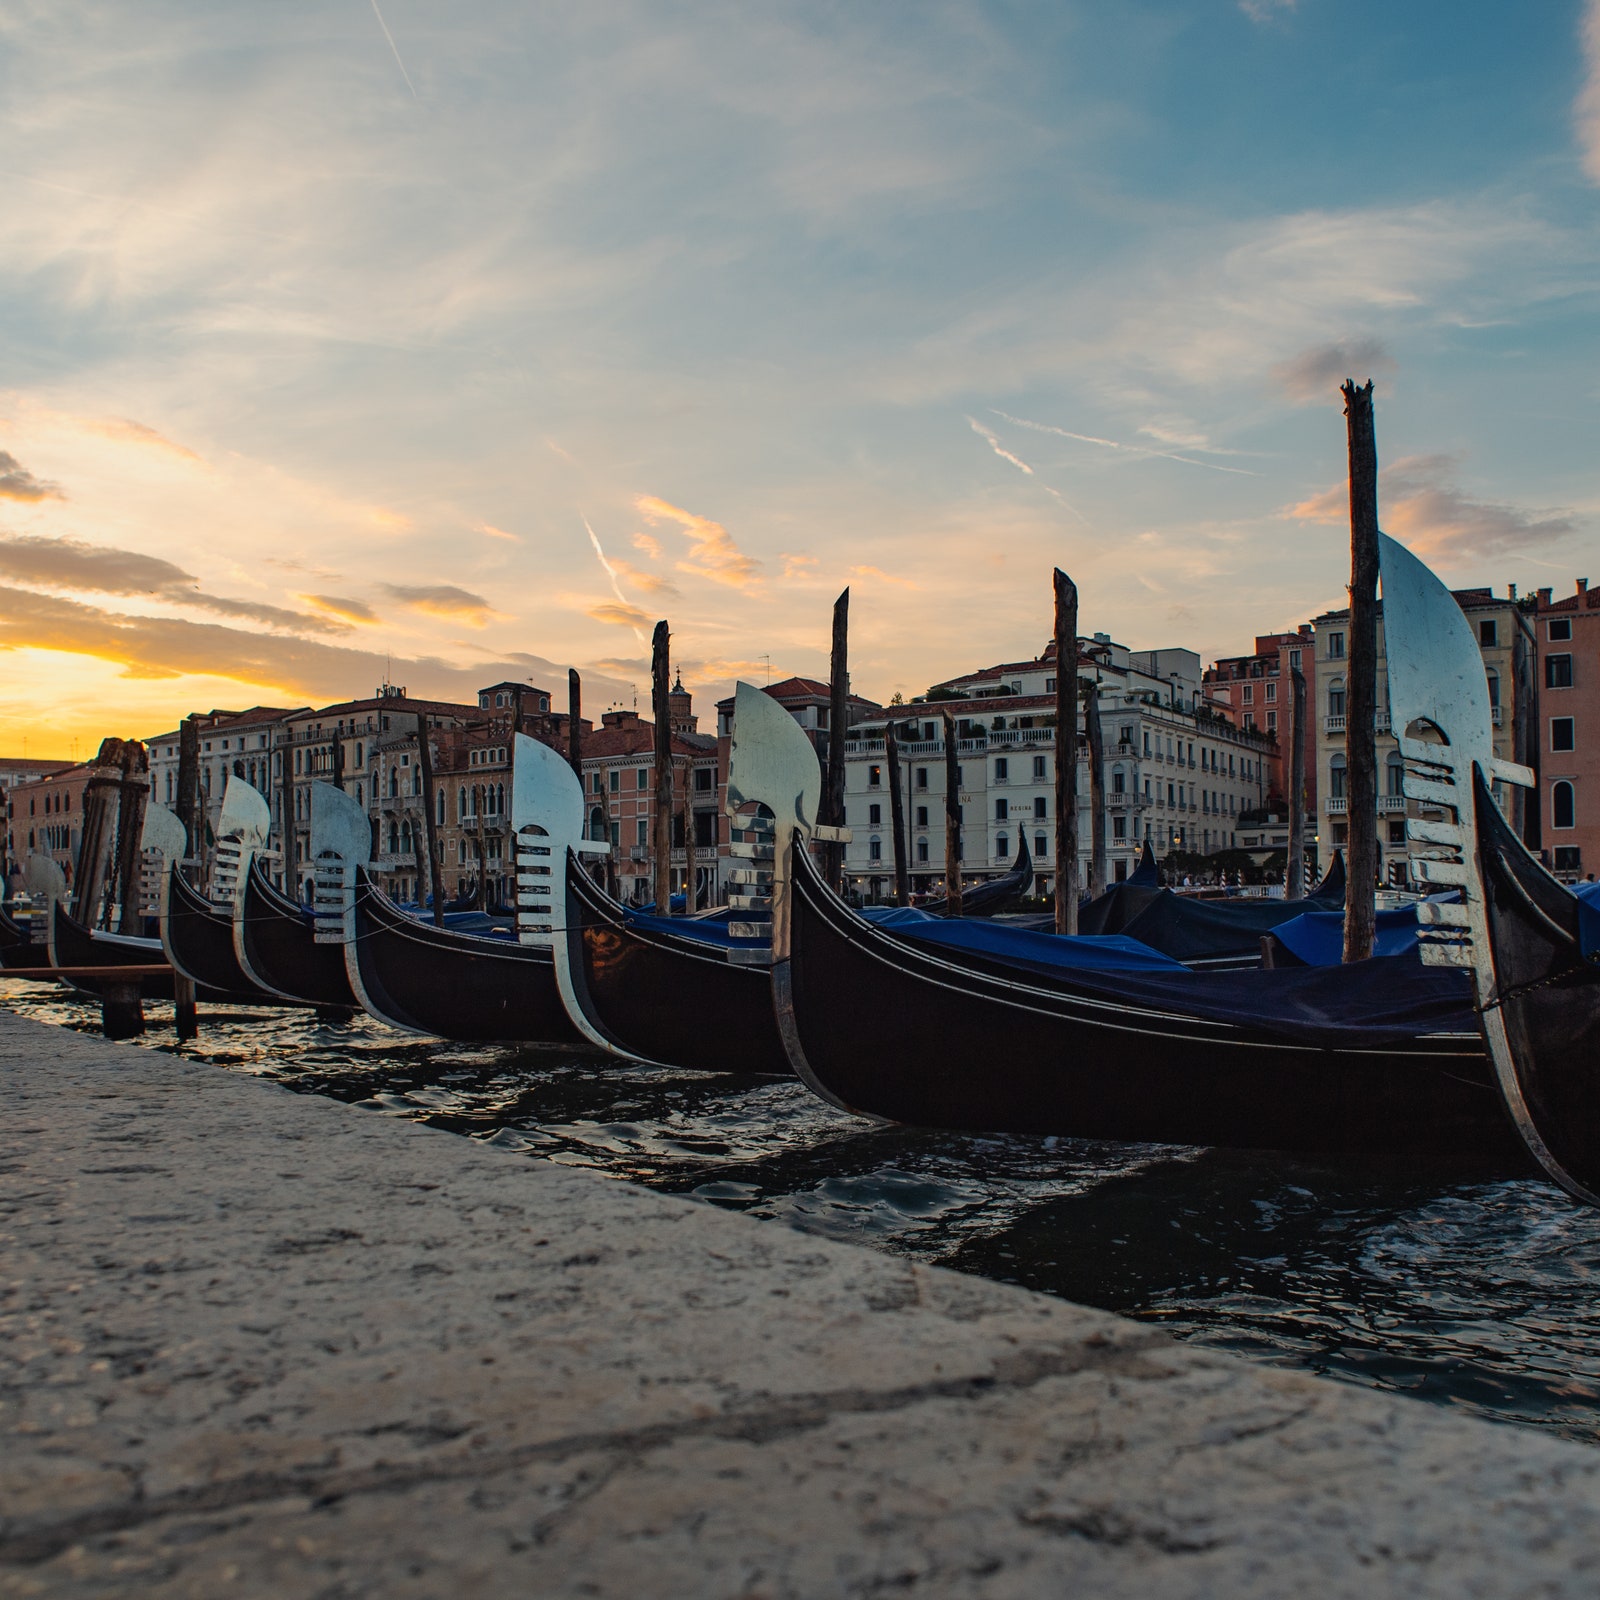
(1568, 722)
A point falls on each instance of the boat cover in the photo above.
(1044, 952)
(1373, 1004)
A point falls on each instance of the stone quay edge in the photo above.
(254, 1343)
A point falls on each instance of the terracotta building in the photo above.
(45, 817)
(1569, 730)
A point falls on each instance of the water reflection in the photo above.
(1446, 1285)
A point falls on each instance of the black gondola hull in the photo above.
(277, 950)
(453, 985)
(73, 945)
(665, 999)
(888, 1030)
(1547, 995)
(198, 941)
(20, 953)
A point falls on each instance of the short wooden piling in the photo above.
(897, 816)
(1361, 695)
(662, 707)
(952, 818)
(1066, 875)
(121, 1010)
(133, 796)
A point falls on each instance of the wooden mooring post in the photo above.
(575, 725)
(429, 822)
(838, 727)
(1066, 594)
(952, 818)
(133, 796)
(185, 1016)
(1097, 790)
(1294, 868)
(660, 646)
(897, 816)
(1361, 702)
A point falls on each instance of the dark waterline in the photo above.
(1448, 1287)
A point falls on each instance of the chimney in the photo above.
(1511, 591)
(1583, 585)
(1544, 599)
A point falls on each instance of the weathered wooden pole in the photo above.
(838, 726)
(429, 819)
(133, 798)
(99, 800)
(1361, 701)
(186, 1019)
(897, 817)
(1097, 790)
(1294, 869)
(608, 866)
(418, 864)
(575, 724)
(1066, 753)
(952, 819)
(338, 757)
(659, 691)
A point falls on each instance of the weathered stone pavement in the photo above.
(258, 1344)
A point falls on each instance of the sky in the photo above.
(369, 338)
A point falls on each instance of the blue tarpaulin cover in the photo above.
(1317, 937)
(1047, 952)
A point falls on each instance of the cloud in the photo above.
(795, 566)
(492, 532)
(622, 614)
(649, 544)
(712, 551)
(646, 582)
(1313, 377)
(171, 647)
(17, 483)
(127, 431)
(101, 569)
(1155, 430)
(335, 605)
(443, 600)
(883, 577)
(1586, 112)
(1419, 505)
(1266, 10)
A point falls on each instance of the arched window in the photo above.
(169, 788)
(1336, 779)
(499, 799)
(461, 804)
(1563, 805)
(1002, 847)
(359, 800)
(405, 833)
(597, 822)
(394, 783)
(439, 809)
(394, 837)
(1336, 698)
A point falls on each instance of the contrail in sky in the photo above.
(396, 48)
(610, 571)
(989, 437)
(1112, 444)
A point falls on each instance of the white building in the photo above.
(1176, 775)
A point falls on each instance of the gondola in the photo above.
(19, 952)
(275, 942)
(73, 945)
(1544, 1007)
(1529, 943)
(997, 895)
(649, 988)
(1001, 1041)
(197, 939)
(1340, 1060)
(433, 980)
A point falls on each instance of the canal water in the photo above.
(1471, 1293)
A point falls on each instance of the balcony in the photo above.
(1338, 805)
(1380, 723)
(1335, 804)
(1498, 716)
